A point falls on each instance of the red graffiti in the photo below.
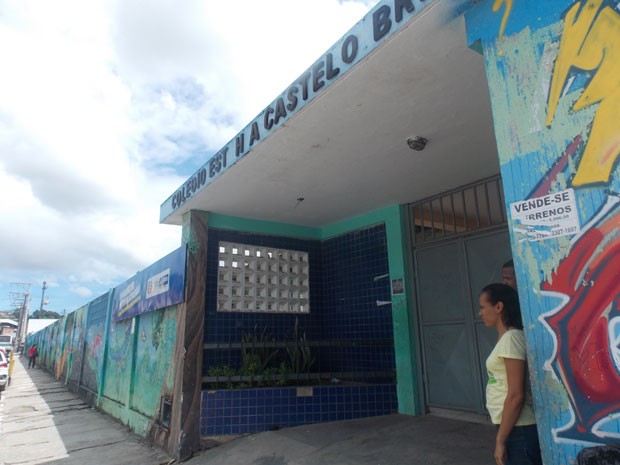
(590, 278)
(96, 346)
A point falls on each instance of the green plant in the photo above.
(223, 371)
(299, 352)
(257, 353)
(280, 374)
(257, 349)
(258, 365)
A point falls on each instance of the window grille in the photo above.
(468, 208)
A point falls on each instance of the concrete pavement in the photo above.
(42, 422)
(387, 440)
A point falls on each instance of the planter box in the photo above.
(240, 411)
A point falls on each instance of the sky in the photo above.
(107, 107)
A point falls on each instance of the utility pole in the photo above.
(20, 299)
(42, 299)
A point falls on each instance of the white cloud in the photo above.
(82, 291)
(106, 107)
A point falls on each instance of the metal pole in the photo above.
(23, 321)
(42, 299)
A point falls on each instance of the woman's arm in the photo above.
(515, 370)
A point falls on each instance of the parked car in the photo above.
(6, 343)
(4, 371)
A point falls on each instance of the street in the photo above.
(42, 422)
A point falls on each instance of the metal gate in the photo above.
(460, 242)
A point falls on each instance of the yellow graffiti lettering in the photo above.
(496, 6)
(591, 41)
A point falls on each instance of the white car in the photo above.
(4, 371)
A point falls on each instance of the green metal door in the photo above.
(454, 342)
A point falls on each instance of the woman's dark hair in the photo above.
(498, 292)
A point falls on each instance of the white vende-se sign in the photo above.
(546, 217)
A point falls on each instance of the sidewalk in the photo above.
(42, 422)
(387, 440)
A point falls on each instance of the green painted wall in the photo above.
(118, 362)
(262, 227)
(155, 348)
(138, 370)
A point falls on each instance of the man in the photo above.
(508, 274)
(32, 356)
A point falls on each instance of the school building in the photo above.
(334, 249)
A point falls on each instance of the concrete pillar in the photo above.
(184, 438)
(553, 72)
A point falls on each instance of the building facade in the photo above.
(332, 148)
(337, 245)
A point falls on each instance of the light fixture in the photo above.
(417, 143)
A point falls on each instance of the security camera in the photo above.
(417, 143)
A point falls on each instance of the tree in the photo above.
(45, 314)
(14, 314)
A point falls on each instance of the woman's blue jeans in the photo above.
(522, 447)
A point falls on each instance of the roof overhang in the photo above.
(343, 149)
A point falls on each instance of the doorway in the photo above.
(460, 242)
(454, 341)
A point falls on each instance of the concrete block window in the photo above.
(261, 279)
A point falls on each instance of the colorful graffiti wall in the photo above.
(123, 368)
(93, 344)
(553, 71)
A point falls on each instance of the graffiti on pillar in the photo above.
(587, 355)
(553, 70)
(508, 8)
(586, 324)
(590, 43)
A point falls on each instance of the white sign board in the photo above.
(546, 217)
(158, 284)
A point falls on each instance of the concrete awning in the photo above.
(345, 151)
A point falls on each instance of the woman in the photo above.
(509, 399)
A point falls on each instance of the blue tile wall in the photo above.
(355, 283)
(355, 277)
(223, 327)
(348, 277)
(228, 412)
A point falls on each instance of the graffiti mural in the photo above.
(587, 354)
(123, 368)
(76, 348)
(154, 350)
(553, 70)
(118, 364)
(64, 349)
(94, 338)
(591, 43)
(508, 8)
